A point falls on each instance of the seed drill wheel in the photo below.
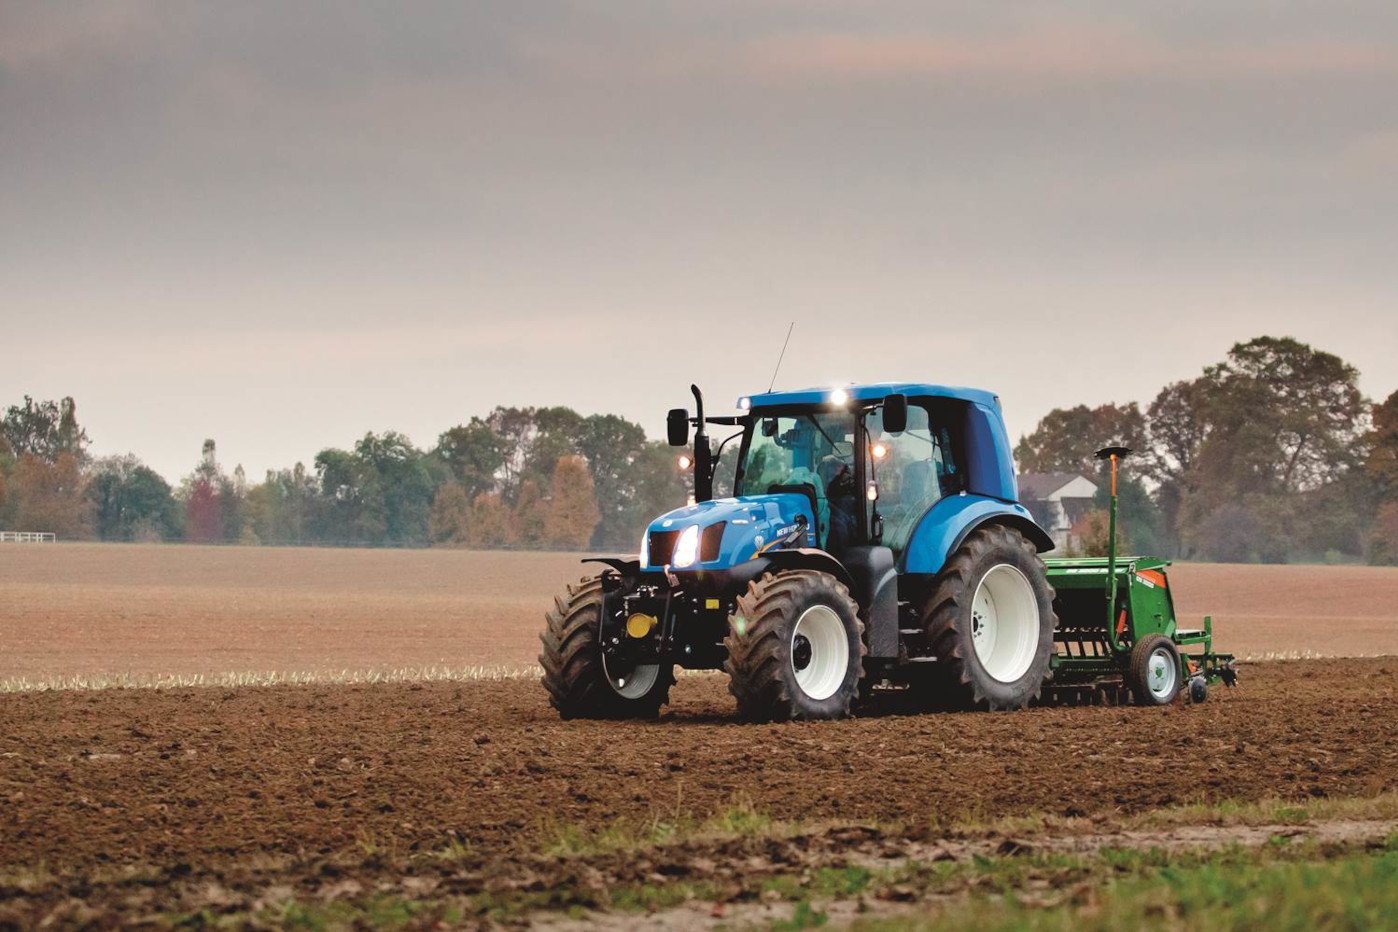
(795, 648)
(990, 621)
(579, 682)
(1154, 671)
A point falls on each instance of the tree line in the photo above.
(519, 477)
(1272, 454)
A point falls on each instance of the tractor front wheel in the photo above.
(795, 648)
(579, 681)
(1154, 671)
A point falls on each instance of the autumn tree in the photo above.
(402, 482)
(473, 454)
(491, 523)
(44, 429)
(215, 503)
(1283, 416)
(572, 512)
(283, 508)
(48, 496)
(1278, 421)
(1382, 463)
(1382, 471)
(450, 519)
(131, 501)
(42, 449)
(1383, 536)
(1178, 425)
(1066, 439)
(531, 513)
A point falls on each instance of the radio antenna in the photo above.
(782, 356)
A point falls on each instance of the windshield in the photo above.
(793, 452)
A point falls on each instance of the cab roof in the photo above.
(873, 392)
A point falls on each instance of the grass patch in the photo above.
(1273, 810)
(1298, 885)
(1232, 890)
(740, 819)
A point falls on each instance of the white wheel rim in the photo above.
(819, 652)
(1161, 673)
(635, 684)
(1005, 623)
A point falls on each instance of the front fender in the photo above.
(809, 558)
(626, 566)
(951, 520)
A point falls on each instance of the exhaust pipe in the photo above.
(703, 453)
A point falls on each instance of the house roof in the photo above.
(1038, 486)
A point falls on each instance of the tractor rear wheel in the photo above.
(795, 648)
(989, 622)
(1154, 671)
(576, 675)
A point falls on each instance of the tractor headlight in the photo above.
(645, 549)
(686, 548)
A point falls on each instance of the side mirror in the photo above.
(769, 427)
(677, 427)
(895, 413)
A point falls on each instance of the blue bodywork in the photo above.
(752, 523)
(991, 495)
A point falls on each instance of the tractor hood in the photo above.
(749, 525)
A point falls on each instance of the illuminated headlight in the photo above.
(645, 549)
(744, 404)
(686, 548)
(839, 397)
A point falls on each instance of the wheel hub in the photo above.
(819, 652)
(1004, 623)
(801, 653)
(1160, 674)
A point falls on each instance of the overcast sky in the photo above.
(283, 224)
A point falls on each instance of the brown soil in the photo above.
(119, 804)
(104, 609)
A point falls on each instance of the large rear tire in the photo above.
(795, 648)
(576, 676)
(990, 622)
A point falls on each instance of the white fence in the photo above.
(27, 537)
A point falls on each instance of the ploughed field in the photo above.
(144, 802)
(102, 610)
(457, 795)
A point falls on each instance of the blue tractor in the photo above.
(863, 537)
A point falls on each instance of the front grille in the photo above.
(662, 546)
(710, 541)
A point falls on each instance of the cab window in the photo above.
(914, 470)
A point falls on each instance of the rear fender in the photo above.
(948, 523)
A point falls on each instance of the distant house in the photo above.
(1057, 500)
